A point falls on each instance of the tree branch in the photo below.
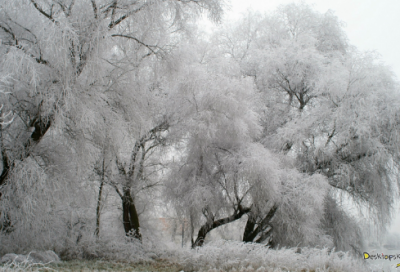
(150, 47)
(20, 47)
(94, 6)
(42, 11)
(9, 31)
(123, 17)
(70, 7)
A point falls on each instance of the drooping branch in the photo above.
(10, 32)
(150, 47)
(17, 45)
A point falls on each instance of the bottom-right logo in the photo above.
(382, 256)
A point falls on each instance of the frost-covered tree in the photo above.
(221, 172)
(326, 104)
(63, 63)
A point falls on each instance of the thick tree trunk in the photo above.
(262, 233)
(130, 216)
(209, 226)
(249, 228)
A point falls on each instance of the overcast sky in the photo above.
(370, 24)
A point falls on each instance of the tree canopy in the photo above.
(116, 112)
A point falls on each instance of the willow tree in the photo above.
(60, 59)
(328, 105)
(221, 172)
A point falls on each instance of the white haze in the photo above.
(370, 24)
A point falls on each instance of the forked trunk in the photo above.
(262, 233)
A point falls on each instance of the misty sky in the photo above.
(370, 24)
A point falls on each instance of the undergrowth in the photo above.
(215, 256)
(238, 256)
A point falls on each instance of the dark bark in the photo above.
(6, 166)
(97, 231)
(5, 160)
(263, 231)
(191, 229)
(249, 228)
(40, 128)
(130, 216)
(209, 226)
(133, 175)
(47, 15)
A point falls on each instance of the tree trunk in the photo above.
(5, 224)
(191, 229)
(41, 127)
(4, 159)
(97, 231)
(183, 232)
(130, 216)
(249, 228)
(209, 226)
(98, 208)
(262, 233)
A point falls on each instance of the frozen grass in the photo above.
(98, 265)
(19, 267)
(94, 265)
(215, 256)
(237, 256)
